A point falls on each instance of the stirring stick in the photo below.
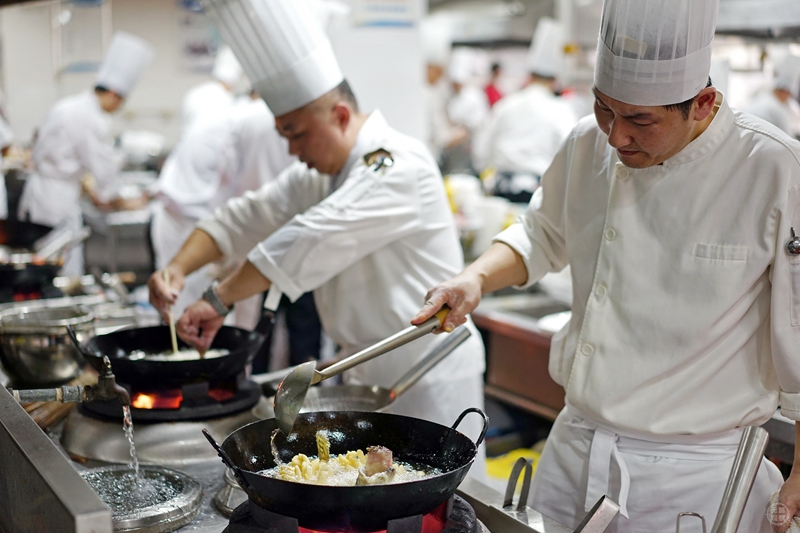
(171, 318)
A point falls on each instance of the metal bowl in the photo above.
(35, 349)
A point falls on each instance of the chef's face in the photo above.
(317, 134)
(645, 136)
(110, 101)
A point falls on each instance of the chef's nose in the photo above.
(618, 134)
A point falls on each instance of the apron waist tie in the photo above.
(604, 447)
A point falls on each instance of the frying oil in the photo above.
(275, 455)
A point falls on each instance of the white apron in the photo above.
(652, 481)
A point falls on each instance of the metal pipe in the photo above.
(67, 394)
(743, 474)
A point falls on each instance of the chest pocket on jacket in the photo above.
(722, 253)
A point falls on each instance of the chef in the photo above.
(362, 219)
(774, 104)
(75, 139)
(212, 100)
(6, 139)
(674, 213)
(214, 162)
(525, 130)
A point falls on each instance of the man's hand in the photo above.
(788, 504)
(199, 325)
(462, 294)
(162, 296)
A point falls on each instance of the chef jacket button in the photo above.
(587, 349)
(623, 173)
(610, 234)
(601, 290)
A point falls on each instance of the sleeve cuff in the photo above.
(261, 259)
(790, 405)
(218, 233)
(517, 238)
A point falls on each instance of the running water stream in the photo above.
(127, 425)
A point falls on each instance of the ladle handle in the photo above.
(395, 341)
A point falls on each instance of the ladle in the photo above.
(291, 392)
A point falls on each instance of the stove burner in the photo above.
(453, 516)
(196, 401)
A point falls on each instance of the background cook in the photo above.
(363, 219)
(673, 212)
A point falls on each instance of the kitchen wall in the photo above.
(383, 65)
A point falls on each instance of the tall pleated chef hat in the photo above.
(436, 35)
(281, 47)
(787, 74)
(226, 67)
(546, 55)
(126, 60)
(654, 52)
(462, 66)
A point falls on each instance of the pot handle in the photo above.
(485, 422)
(227, 460)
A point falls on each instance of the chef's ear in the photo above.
(342, 114)
(704, 103)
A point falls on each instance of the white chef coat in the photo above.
(767, 106)
(369, 243)
(441, 130)
(6, 138)
(469, 107)
(686, 303)
(204, 103)
(216, 161)
(75, 139)
(524, 131)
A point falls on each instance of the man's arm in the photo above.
(790, 491)
(198, 250)
(498, 267)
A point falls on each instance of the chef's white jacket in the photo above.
(214, 162)
(469, 107)
(686, 309)
(524, 131)
(6, 138)
(75, 139)
(767, 106)
(369, 242)
(205, 103)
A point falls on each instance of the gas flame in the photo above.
(143, 401)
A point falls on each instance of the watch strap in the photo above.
(210, 295)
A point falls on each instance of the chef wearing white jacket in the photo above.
(526, 128)
(75, 139)
(363, 221)
(675, 220)
(216, 161)
(6, 138)
(212, 100)
(774, 104)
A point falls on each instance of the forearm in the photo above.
(244, 282)
(499, 267)
(198, 250)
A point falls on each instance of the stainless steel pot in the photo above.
(35, 349)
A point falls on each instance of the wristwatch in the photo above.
(210, 295)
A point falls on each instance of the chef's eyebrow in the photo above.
(637, 116)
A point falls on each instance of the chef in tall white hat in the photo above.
(525, 130)
(362, 220)
(213, 99)
(675, 214)
(774, 104)
(75, 139)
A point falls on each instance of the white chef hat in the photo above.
(462, 66)
(226, 67)
(787, 74)
(126, 60)
(654, 52)
(281, 47)
(546, 55)
(436, 33)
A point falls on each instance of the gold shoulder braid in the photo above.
(378, 159)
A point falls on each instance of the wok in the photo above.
(150, 375)
(247, 451)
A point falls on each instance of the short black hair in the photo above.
(102, 89)
(495, 66)
(685, 107)
(346, 93)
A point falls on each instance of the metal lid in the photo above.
(173, 498)
(51, 320)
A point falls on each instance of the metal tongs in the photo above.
(291, 392)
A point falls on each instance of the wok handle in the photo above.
(227, 460)
(485, 422)
(395, 341)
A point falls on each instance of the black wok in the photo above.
(151, 375)
(364, 508)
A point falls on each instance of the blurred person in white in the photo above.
(675, 214)
(526, 128)
(216, 161)
(75, 140)
(6, 139)
(212, 100)
(773, 104)
(362, 220)
(467, 108)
